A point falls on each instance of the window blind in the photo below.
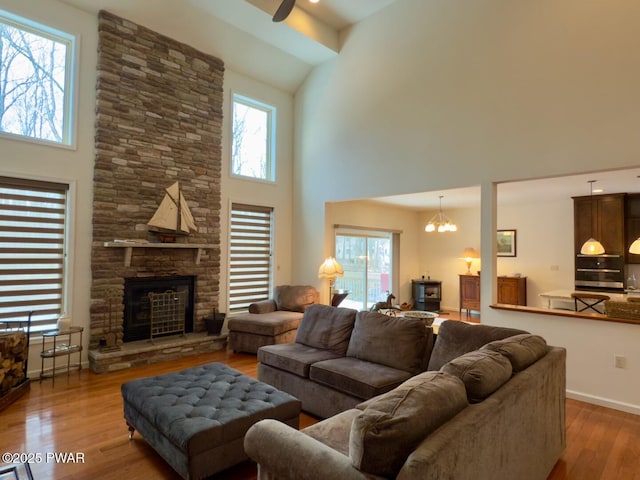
(32, 251)
(249, 256)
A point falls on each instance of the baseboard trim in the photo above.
(604, 402)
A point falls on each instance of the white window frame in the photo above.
(70, 94)
(270, 147)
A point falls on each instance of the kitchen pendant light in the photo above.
(591, 246)
(440, 222)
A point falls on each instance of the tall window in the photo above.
(250, 250)
(252, 149)
(35, 80)
(32, 251)
(367, 260)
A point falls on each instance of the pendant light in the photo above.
(591, 246)
(440, 222)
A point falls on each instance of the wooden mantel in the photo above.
(198, 248)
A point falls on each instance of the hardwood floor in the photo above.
(83, 414)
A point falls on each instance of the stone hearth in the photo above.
(143, 352)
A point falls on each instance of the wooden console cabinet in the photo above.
(512, 290)
(469, 293)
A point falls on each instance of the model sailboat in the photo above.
(173, 216)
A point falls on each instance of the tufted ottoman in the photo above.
(196, 418)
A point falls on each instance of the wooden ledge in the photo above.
(129, 246)
(563, 313)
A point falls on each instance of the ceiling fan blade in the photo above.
(284, 10)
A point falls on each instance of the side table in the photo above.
(60, 349)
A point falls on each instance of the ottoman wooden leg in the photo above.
(131, 430)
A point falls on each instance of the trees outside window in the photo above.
(252, 145)
(35, 80)
(367, 260)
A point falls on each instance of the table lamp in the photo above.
(330, 269)
(469, 254)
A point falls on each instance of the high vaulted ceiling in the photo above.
(242, 33)
(282, 55)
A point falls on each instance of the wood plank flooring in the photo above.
(83, 414)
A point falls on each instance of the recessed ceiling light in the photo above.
(314, 1)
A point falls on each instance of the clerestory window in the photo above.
(252, 138)
(36, 72)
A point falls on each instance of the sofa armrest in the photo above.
(285, 453)
(263, 306)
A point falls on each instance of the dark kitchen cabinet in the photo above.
(512, 290)
(603, 218)
(632, 224)
(469, 292)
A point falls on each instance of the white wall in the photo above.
(73, 165)
(277, 195)
(545, 252)
(23, 159)
(436, 95)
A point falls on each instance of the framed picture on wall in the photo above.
(506, 243)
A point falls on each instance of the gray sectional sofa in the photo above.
(479, 402)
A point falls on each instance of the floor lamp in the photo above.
(330, 269)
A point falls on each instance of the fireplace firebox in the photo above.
(137, 307)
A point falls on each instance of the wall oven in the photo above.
(600, 273)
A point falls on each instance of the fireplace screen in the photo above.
(137, 305)
(167, 312)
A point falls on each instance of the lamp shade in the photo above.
(635, 247)
(330, 269)
(469, 253)
(594, 247)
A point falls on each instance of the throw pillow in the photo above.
(390, 428)
(457, 338)
(327, 328)
(396, 342)
(482, 372)
(521, 350)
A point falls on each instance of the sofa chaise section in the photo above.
(272, 321)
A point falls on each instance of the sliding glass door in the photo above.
(367, 261)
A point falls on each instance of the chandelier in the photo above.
(440, 222)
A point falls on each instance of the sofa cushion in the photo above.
(293, 357)
(389, 429)
(355, 377)
(295, 298)
(397, 342)
(481, 371)
(521, 350)
(270, 324)
(456, 338)
(326, 327)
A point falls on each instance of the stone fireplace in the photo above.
(158, 121)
